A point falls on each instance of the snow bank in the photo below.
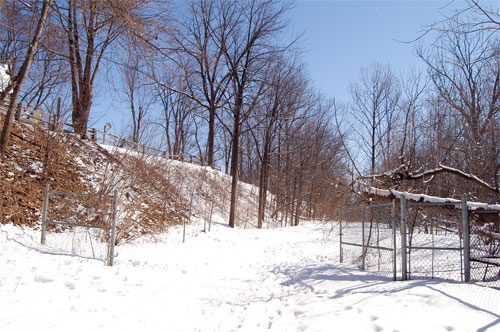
(4, 77)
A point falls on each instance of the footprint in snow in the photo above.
(373, 318)
(43, 279)
(377, 328)
(298, 313)
(449, 328)
(69, 285)
(135, 262)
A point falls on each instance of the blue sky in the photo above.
(343, 36)
(339, 37)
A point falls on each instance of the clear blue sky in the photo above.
(343, 36)
(340, 37)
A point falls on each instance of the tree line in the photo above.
(225, 81)
(433, 131)
(222, 80)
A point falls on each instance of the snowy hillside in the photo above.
(154, 193)
(204, 191)
(285, 279)
(242, 279)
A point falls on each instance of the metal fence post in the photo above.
(363, 238)
(340, 236)
(404, 272)
(44, 212)
(113, 230)
(394, 245)
(466, 238)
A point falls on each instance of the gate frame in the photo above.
(404, 205)
(362, 245)
(45, 221)
(464, 223)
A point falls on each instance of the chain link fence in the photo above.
(435, 241)
(368, 236)
(420, 240)
(485, 247)
(80, 224)
(412, 240)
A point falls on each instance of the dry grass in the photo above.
(148, 202)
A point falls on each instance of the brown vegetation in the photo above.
(148, 202)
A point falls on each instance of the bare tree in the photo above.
(90, 27)
(21, 76)
(245, 34)
(178, 116)
(309, 166)
(472, 18)
(138, 93)
(374, 103)
(411, 107)
(287, 89)
(457, 136)
(201, 60)
(465, 72)
(18, 22)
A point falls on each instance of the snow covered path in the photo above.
(226, 280)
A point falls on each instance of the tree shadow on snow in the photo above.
(310, 276)
(367, 283)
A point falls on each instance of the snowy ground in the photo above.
(226, 280)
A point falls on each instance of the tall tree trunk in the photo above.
(211, 137)
(298, 204)
(234, 160)
(263, 181)
(21, 77)
(81, 110)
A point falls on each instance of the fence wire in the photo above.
(434, 241)
(485, 248)
(367, 238)
(79, 224)
(441, 240)
(79, 241)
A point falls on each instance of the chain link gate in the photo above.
(368, 237)
(423, 240)
(443, 240)
(90, 219)
(436, 240)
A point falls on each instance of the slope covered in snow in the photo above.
(285, 279)
(154, 193)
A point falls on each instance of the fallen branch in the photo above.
(401, 174)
